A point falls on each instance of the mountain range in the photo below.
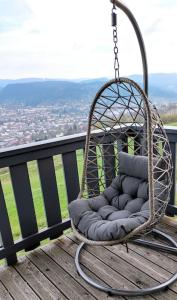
(38, 91)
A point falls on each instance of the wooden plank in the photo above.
(32, 239)
(59, 277)
(164, 260)
(169, 221)
(156, 266)
(109, 163)
(99, 268)
(37, 281)
(66, 261)
(124, 143)
(71, 175)
(50, 192)
(4, 294)
(133, 274)
(5, 229)
(16, 286)
(172, 231)
(92, 172)
(1, 243)
(156, 258)
(169, 228)
(24, 201)
(141, 263)
(173, 189)
(119, 145)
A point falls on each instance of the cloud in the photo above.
(166, 3)
(13, 14)
(155, 26)
(68, 39)
(34, 31)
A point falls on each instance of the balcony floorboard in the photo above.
(49, 272)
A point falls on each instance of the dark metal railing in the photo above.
(16, 159)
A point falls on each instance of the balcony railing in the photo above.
(17, 159)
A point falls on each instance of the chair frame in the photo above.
(172, 248)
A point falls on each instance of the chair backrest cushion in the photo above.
(133, 165)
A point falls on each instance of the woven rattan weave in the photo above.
(123, 119)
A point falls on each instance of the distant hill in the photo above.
(36, 91)
(49, 92)
(4, 82)
(162, 86)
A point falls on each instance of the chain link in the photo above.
(115, 40)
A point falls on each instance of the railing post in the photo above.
(5, 229)
(43, 154)
(24, 201)
(109, 163)
(51, 200)
(1, 242)
(71, 175)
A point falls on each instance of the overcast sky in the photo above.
(73, 39)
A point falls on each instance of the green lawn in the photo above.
(36, 192)
(172, 124)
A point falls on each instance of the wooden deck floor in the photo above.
(49, 272)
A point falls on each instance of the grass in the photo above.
(172, 124)
(36, 192)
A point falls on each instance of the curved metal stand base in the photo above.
(157, 246)
(141, 292)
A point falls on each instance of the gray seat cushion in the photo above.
(121, 208)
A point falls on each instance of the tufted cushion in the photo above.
(122, 207)
(133, 165)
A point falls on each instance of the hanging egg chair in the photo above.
(127, 173)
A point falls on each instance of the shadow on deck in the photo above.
(49, 272)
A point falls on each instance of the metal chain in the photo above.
(115, 40)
